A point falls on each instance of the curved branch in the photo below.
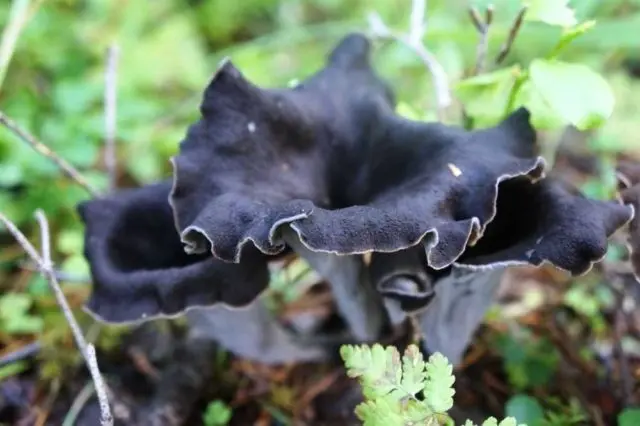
(45, 267)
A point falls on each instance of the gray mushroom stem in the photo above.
(358, 302)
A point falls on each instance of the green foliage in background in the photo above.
(217, 413)
(528, 409)
(629, 417)
(529, 361)
(552, 90)
(15, 317)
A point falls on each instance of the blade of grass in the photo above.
(18, 17)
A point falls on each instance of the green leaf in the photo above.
(390, 384)
(414, 374)
(492, 421)
(529, 361)
(38, 286)
(416, 412)
(581, 300)
(543, 117)
(438, 391)
(525, 409)
(576, 93)
(10, 174)
(76, 265)
(290, 282)
(14, 316)
(187, 66)
(629, 417)
(70, 241)
(552, 12)
(486, 96)
(377, 368)
(381, 412)
(75, 96)
(216, 414)
(12, 369)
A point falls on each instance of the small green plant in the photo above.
(404, 390)
(529, 360)
(15, 317)
(629, 417)
(492, 421)
(552, 90)
(560, 413)
(217, 413)
(525, 408)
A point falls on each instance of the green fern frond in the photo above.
(438, 389)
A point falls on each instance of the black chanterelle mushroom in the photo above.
(328, 170)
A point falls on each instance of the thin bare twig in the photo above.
(45, 239)
(483, 30)
(110, 93)
(475, 19)
(27, 351)
(626, 376)
(60, 275)
(78, 404)
(45, 408)
(18, 17)
(513, 33)
(22, 240)
(41, 148)
(45, 266)
(620, 326)
(488, 15)
(440, 78)
(416, 20)
(101, 389)
(413, 40)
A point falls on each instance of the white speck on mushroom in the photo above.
(539, 240)
(454, 169)
(529, 253)
(251, 126)
(366, 258)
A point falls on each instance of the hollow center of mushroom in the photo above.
(141, 242)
